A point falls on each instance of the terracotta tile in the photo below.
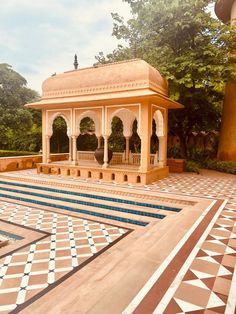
(41, 255)
(172, 308)
(62, 236)
(19, 258)
(193, 294)
(82, 242)
(8, 298)
(220, 233)
(216, 310)
(10, 283)
(43, 246)
(222, 286)
(219, 248)
(63, 263)
(63, 253)
(205, 267)
(37, 279)
(63, 244)
(232, 243)
(229, 261)
(224, 222)
(83, 250)
(15, 269)
(39, 266)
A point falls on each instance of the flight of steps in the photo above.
(115, 209)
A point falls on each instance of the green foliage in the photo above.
(12, 153)
(87, 142)
(189, 47)
(16, 122)
(192, 166)
(223, 166)
(117, 140)
(174, 152)
(59, 142)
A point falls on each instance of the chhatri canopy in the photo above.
(120, 80)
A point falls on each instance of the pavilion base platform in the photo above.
(118, 173)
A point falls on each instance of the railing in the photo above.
(85, 155)
(118, 158)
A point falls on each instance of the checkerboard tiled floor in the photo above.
(34, 268)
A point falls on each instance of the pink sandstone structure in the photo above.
(131, 90)
(226, 12)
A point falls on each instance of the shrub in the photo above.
(223, 166)
(12, 153)
(192, 166)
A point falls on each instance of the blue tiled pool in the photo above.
(10, 235)
(10, 188)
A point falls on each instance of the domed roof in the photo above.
(223, 10)
(110, 78)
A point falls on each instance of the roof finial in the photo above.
(76, 62)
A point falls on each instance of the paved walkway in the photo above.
(198, 276)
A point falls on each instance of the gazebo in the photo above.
(131, 90)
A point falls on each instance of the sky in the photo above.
(41, 37)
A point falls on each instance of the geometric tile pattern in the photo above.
(33, 269)
(206, 284)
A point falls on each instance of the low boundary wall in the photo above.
(26, 162)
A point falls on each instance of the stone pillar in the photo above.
(105, 160)
(145, 136)
(74, 150)
(162, 151)
(44, 138)
(70, 148)
(48, 148)
(226, 11)
(127, 149)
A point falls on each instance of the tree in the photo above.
(17, 123)
(189, 48)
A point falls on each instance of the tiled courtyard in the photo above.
(184, 263)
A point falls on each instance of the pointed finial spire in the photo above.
(76, 62)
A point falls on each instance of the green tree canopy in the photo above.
(16, 122)
(189, 47)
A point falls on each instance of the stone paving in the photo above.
(206, 282)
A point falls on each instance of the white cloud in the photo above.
(39, 38)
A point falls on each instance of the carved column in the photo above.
(127, 148)
(70, 148)
(105, 160)
(48, 148)
(74, 150)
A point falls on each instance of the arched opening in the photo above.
(135, 141)
(113, 177)
(59, 142)
(78, 173)
(59, 171)
(138, 179)
(87, 140)
(89, 174)
(154, 145)
(125, 178)
(157, 139)
(100, 175)
(117, 139)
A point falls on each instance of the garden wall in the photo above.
(26, 162)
